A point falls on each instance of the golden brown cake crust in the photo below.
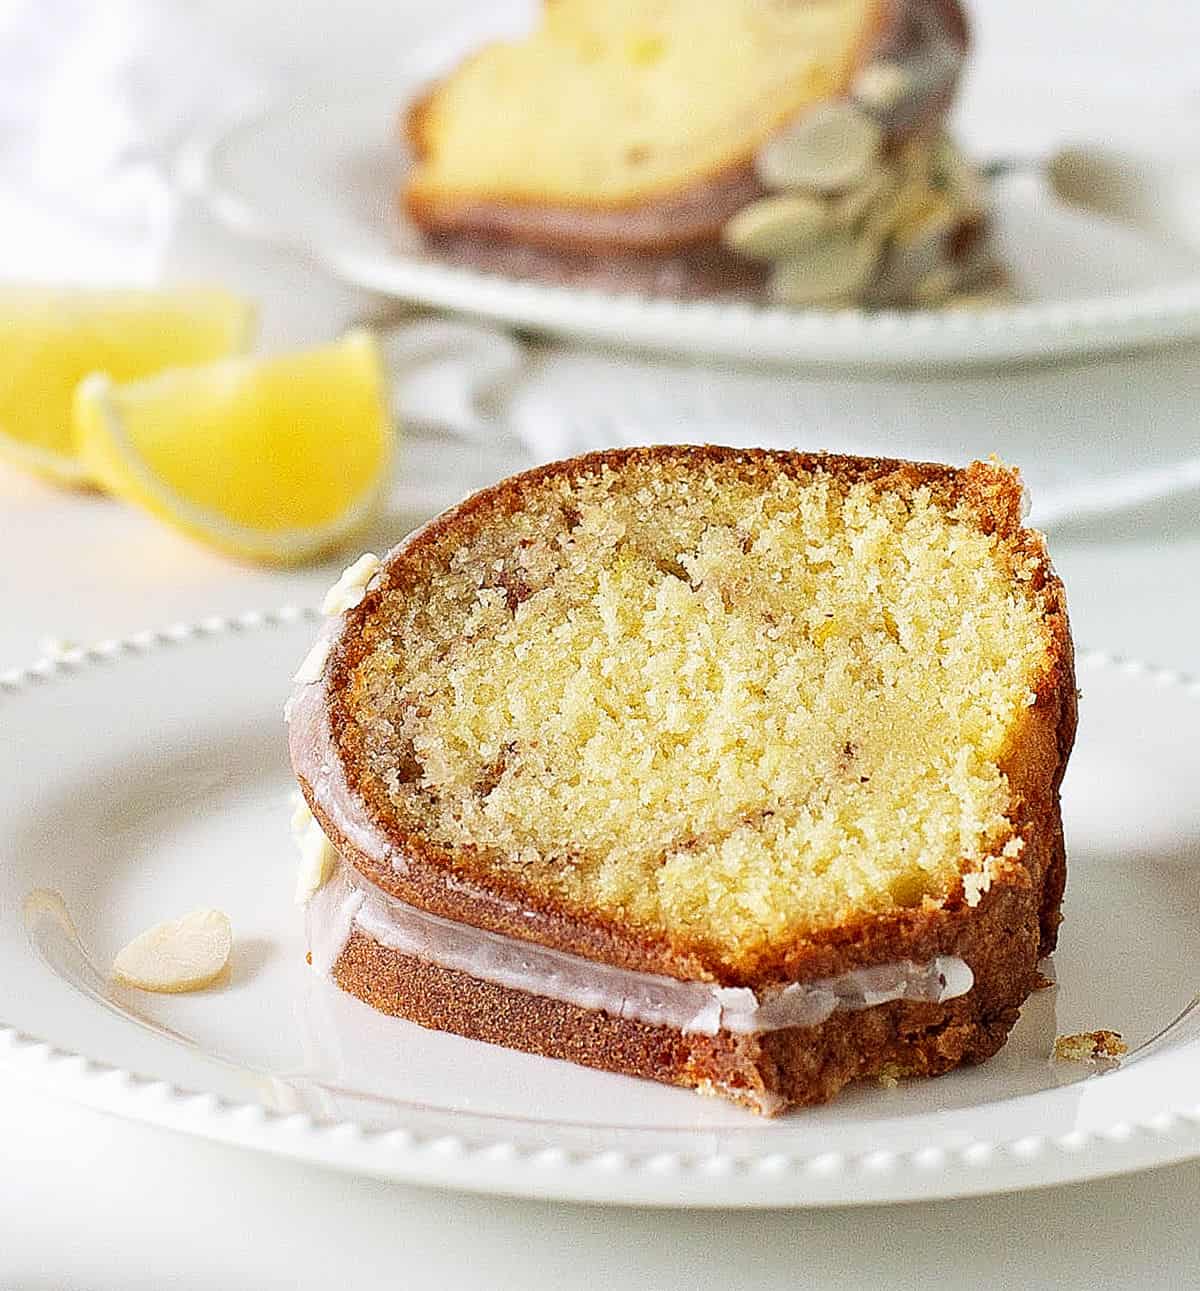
(669, 223)
(456, 884)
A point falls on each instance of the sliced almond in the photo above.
(178, 955)
(928, 225)
(935, 288)
(909, 205)
(313, 666)
(777, 226)
(957, 177)
(349, 590)
(317, 854)
(835, 268)
(301, 814)
(832, 148)
(856, 203)
(881, 85)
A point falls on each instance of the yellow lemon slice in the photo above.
(273, 459)
(51, 338)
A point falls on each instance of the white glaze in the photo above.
(315, 759)
(348, 902)
(313, 751)
(314, 663)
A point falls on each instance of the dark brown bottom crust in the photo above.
(798, 1066)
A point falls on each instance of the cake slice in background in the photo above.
(795, 151)
(735, 770)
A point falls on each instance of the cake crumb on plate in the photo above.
(1090, 1046)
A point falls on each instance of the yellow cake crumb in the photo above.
(1089, 1046)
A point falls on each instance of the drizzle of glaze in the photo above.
(349, 902)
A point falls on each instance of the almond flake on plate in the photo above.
(178, 955)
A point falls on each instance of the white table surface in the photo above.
(88, 1201)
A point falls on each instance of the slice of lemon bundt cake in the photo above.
(734, 769)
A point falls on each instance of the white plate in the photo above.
(147, 777)
(320, 174)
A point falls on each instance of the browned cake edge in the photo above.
(676, 221)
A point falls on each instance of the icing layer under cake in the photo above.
(348, 902)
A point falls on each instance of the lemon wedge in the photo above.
(273, 459)
(51, 338)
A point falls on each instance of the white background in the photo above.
(90, 1202)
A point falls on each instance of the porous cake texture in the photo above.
(744, 718)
